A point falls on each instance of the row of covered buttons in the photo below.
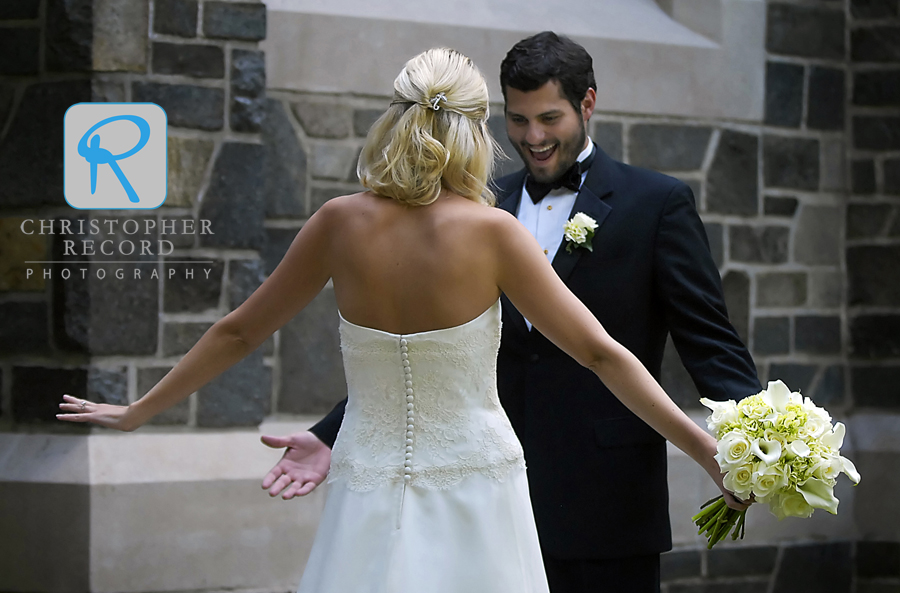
(407, 375)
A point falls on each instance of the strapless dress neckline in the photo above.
(421, 333)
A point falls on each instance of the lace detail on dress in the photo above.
(423, 408)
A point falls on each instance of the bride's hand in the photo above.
(108, 415)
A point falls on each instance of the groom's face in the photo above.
(546, 131)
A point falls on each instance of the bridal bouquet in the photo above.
(780, 450)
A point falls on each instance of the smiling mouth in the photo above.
(542, 154)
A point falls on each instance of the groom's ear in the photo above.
(588, 104)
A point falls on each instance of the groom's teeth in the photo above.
(545, 149)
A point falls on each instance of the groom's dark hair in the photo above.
(548, 56)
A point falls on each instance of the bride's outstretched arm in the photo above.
(527, 278)
(300, 276)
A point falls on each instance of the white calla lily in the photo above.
(767, 451)
(819, 495)
(777, 395)
(797, 449)
(835, 438)
(850, 470)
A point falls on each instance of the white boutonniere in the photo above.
(579, 231)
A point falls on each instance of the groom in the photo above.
(597, 473)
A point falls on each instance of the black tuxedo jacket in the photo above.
(597, 473)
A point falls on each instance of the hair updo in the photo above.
(434, 134)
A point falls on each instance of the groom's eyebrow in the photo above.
(552, 112)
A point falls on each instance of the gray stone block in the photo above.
(668, 147)
(784, 94)
(285, 164)
(24, 327)
(779, 206)
(20, 51)
(880, 43)
(867, 221)
(872, 132)
(826, 288)
(37, 392)
(247, 114)
(120, 35)
(716, 235)
(771, 335)
(352, 175)
(109, 386)
(19, 10)
(826, 568)
(178, 337)
(791, 162)
(743, 561)
(825, 99)
(512, 162)
(241, 396)
(880, 88)
(189, 59)
(736, 289)
(731, 184)
(767, 244)
(323, 120)
(817, 334)
(178, 414)
(234, 201)
(862, 176)
(805, 31)
(675, 379)
(248, 73)
(872, 275)
(608, 136)
(876, 387)
(175, 17)
(106, 91)
(244, 277)
(830, 389)
(873, 9)
(796, 376)
(189, 288)
(277, 243)
(679, 565)
(68, 34)
(318, 195)
(234, 20)
(31, 154)
(892, 176)
(187, 106)
(878, 559)
(188, 161)
(832, 165)
(875, 336)
(312, 378)
(363, 119)
(331, 161)
(781, 289)
(817, 235)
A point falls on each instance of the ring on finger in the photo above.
(83, 404)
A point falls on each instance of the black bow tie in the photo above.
(571, 179)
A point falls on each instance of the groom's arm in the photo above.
(691, 290)
(327, 428)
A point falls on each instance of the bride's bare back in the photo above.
(407, 269)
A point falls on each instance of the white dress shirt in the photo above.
(545, 220)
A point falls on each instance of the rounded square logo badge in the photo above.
(115, 155)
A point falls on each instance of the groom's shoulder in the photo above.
(504, 186)
(646, 184)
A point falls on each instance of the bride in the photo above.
(427, 484)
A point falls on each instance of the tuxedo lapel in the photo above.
(588, 203)
(513, 190)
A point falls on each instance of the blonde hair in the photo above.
(434, 135)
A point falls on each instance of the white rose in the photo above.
(790, 504)
(584, 221)
(828, 467)
(739, 481)
(767, 481)
(733, 449)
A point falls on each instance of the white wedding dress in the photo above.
(427, 487)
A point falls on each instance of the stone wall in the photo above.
(110, 338)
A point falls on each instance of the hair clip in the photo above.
(435, 101)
